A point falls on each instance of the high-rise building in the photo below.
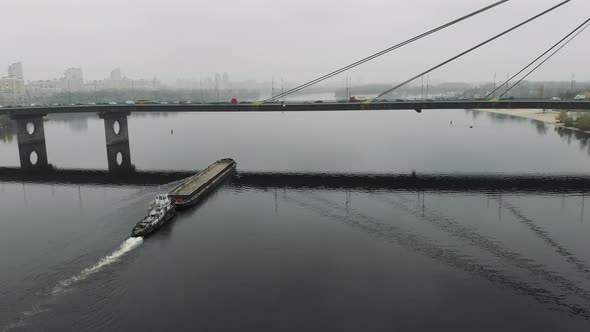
(43, 88)
(15, 70)
(73, 80)
(225, 80)
(116, 74)
(12, 88)
(116, 80)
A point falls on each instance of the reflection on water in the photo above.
(569, 135)
(316, 142)
(581, 137)
(482, 183)
(371, 222)
(522, 244)
(552, 293)
(7, 129)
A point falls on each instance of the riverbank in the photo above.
(548, 117)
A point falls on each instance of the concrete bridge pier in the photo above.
(117, 141)
(32, 149)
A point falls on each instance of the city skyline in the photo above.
(497, 76)
(297, 43)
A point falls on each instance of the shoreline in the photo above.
(547, 117)
(533, 114)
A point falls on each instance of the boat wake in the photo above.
(127, 245)
(64, 285)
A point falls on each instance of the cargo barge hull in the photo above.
(197, 187)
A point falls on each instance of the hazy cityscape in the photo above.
(15, 90)
(117, 87)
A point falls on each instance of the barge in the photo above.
(195, 188)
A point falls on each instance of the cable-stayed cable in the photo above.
(539, 57)
(474, 48)
(387, 50)
(547, 59)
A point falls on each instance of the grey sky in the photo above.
(294, 40)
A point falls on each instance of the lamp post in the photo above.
(202, 100)
(572, 86)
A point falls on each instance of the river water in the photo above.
(291, 259)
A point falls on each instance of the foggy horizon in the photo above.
(291, 41)
(261, 40)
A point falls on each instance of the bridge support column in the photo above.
(32, 149)
(117, 139)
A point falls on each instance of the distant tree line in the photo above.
(526, 89)
(581, 121)
(119, 96)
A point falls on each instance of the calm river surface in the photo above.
(272, 259)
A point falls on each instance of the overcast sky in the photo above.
(290, 39)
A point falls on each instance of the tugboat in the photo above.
(161, 201)
(160, 211)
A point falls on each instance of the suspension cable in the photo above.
(471, 49)
(387, 50)
(538, 58)
(549, 57)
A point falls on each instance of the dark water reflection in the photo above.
(7, 130)
(421, 241)
(568, 135)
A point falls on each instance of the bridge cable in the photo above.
(538, 58)
(378, 54)
(543, 62)
(471, 49)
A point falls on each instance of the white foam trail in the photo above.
(127, 245)
(20, 323)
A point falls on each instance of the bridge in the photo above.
(31, 133)
(316, 106)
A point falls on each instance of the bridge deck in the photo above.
(304, 107)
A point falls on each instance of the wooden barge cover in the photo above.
(189, 192)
